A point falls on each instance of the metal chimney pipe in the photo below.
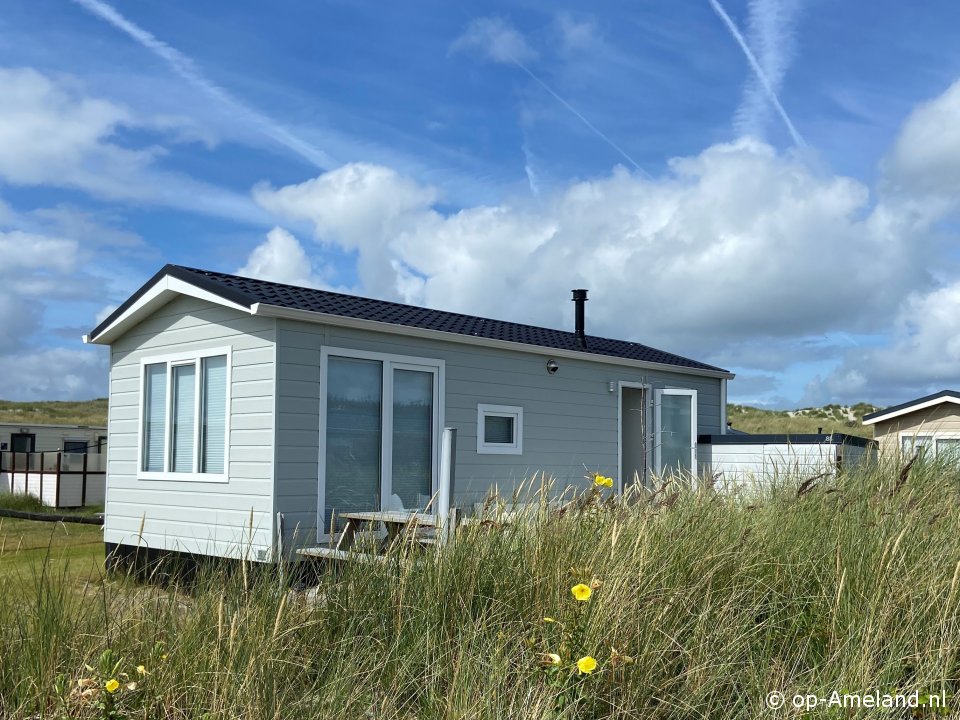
(580, 297)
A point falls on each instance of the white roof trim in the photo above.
(911, 409)
(312, 316)
(162, 292)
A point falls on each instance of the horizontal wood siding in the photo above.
(939, 420)
(232, 519)
(569, 419)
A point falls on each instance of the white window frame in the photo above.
(388, 363)
(194, 357)
(512, 448)
(658, 427)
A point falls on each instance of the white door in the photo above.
(675, 445)
(379, 423)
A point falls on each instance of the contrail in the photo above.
(188, 70)
(761, 76)
(586, 122)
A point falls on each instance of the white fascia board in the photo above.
(265, 310)
(911, 409)
(162, 292)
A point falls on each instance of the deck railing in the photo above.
(57, 478)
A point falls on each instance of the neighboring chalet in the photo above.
(931, 422)
(61, 465)
(30, 438)
(239, 406)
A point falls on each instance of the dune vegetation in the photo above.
(680, 604)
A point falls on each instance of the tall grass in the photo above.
(701, 605)
(55, 412)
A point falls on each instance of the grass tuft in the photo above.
(698, 608)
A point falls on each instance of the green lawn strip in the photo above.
(24, 544)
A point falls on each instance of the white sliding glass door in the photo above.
(380, 418)
(675, 449)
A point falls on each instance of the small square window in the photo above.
(499, 430)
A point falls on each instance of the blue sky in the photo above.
(488, 157)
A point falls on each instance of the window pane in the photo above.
(184, 406)
(214, 416)
(412, 437)
(154, 416)
(352, 477)
(918, 442)
(948, 448)
(498, 429)
(676, 437)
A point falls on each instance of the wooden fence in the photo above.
(58, 479)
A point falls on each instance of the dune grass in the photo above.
(55, 412)
(827, 419)
(700, 605)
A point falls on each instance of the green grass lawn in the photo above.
(24, 544)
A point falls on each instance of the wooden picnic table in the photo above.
(394, 520)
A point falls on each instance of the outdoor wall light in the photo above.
(612, 386)
(552, 367)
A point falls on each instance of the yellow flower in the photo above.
(163, 657)
(111, 685)
(586, 665)
(602, 481)
(581, 592)
(141, 670)
(551, 659)
(549, 620)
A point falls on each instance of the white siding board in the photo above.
(186, 515)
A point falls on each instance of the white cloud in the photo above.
(53, 135)
(26, 252)
(187, 69)
(54, 374)
(104, 312)
(922, 356)
(734, 243)
(349, 204)
(45, 131)
(925, 159)
(759, 73)
(577, 34)
(281, 258)
(18, 321)
(771, 35)
(496, 40)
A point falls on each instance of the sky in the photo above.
(770, 186)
